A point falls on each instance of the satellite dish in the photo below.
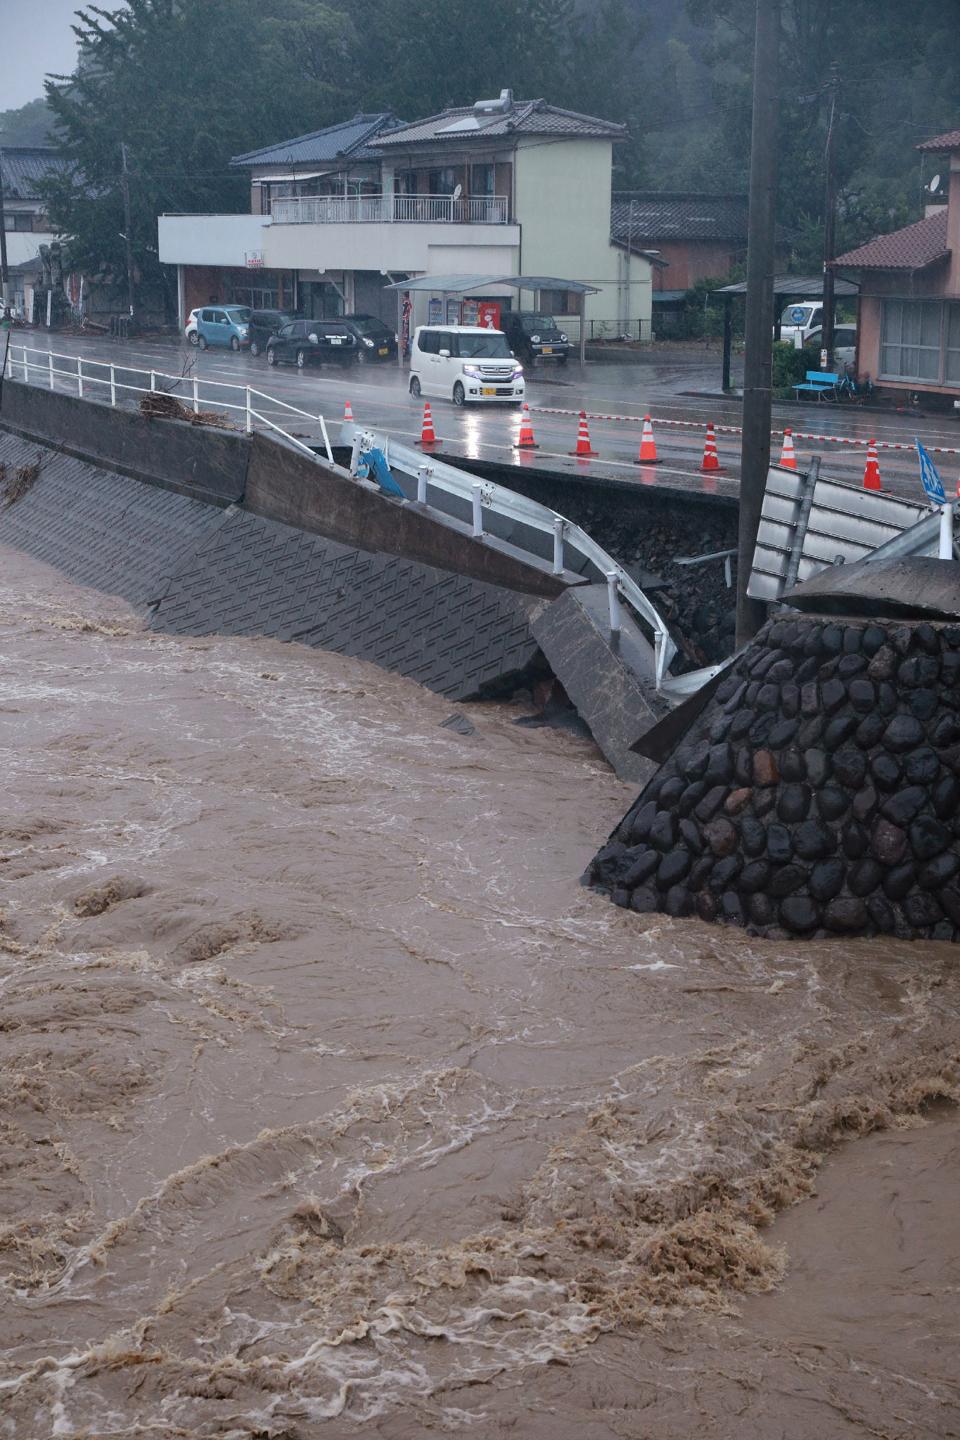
(459, 191)
(934, 185)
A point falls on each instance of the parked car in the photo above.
(534, 336)
(375, 340)
(264, 323)
(312, 342)
(226, 325)
(844, 344)
(190, 329)
(464, 363)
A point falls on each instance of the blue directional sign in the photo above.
(932, 483)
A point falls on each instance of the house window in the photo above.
(18, 220)
(910, 340)
(559, 302)
(443, 182)
(952, 368)
(482, 180)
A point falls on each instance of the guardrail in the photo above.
(569, 546)
(37, 367)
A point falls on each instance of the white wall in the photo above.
(25, 245)
(211, 239)
(388, 247)
(563, 204)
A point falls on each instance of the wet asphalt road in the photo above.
(672, 387)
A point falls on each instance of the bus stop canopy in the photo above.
(785, 287)
(444, 285)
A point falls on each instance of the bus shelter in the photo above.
(785, 287)
(446, 287)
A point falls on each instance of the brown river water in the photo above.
(331, 1104)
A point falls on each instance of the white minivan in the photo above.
(464, 363)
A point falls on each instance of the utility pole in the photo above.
(4, 272)
(125, 186)
(758, 328)
(829, 224)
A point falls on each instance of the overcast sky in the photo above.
(37, 40)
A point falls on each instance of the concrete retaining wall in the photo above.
(818, 793)
(191, 459)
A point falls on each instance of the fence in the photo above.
(106, 381)
(390, 209)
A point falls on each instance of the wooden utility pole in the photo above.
(830, 224)
(125, 187)
(758, 328)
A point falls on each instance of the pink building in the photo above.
(909, 313)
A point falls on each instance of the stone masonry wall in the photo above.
(818, 793)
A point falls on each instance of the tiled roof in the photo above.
(680, 215)
(911, 248)
(350, 140)
(23, 166)
(524, 117)
(949, 141)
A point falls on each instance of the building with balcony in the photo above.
(501, 187)
(908, 331)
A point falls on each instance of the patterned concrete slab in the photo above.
(252, 576)
(98, 528)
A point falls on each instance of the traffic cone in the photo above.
(526, 440)
(871, 475)
(583, 449)
(648, 446)
(788, 457)
(428, 436)
(711, 460)
(348, 414)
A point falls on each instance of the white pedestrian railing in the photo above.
(562, 539)
(390, 209)
(107, 380)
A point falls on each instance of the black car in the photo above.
(264, 323)
(534, 336)
(312, 342)
(375, 340)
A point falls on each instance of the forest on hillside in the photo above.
(677, 72)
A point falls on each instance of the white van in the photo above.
(464, 363)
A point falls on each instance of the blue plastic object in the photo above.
(373, 465)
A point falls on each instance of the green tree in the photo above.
(29, 125)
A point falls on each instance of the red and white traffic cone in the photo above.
(525, 440)
(711, 460)
(871, 474)
(348, 414)
(428, 436)
(648, 446)
(788, 457)
(583, 449)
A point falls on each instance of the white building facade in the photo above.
(498, 188)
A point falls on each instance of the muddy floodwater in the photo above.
(330, 1103)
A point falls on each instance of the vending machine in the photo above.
(488, 314)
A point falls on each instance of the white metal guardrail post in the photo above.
(326, 438)
(196, 396)
(50, 367)
(946, 531)
(477, 512)
(422, 485)
(153, 381)
(79, 378)
(113, 386)
(249, 413)
(613, 600)
(26, 367)
(558, 523)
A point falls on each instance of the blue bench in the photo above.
(821, 383)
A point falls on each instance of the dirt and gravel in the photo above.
(331, 1103)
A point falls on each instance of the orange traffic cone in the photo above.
(711, 461)
(348, 414)
(788, 457)
(871, 475)
(428, 436)
(648, 446)
(526, 440)
(583, 438)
